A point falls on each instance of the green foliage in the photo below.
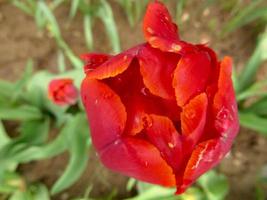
(259, 55)
(133, 9)
(78, 148)
(254, 11)
(253, 121)
(253, 115)
(214, 185)
(26, 103)
(210, 186)
(33, 110)
(104, 12)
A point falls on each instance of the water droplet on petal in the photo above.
(144, 91)
(150, 30)
(116, 142)
(146, 163)
(96, 102)
(176, 47)
(171, 145)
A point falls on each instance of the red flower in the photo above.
(62, 92)
(164, 111)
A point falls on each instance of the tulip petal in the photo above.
(139, 159)
(193, 119)
(159, 30)
(105, 111)
(191, 76)
(157, 70)
(164, 136)
(205, 156)
(224, 106)
(115, 65)
(93, 60)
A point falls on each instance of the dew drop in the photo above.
(150, 30)
(144, 91)
(146, 163)
(116, 142)
(176, 47)
(96, 101)
(171, 145)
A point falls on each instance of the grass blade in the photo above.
(78, 143)
(254, 122)
(87, 27)
(243, 17)
(248, 73)
(259, 107)
(106, 15)
(21, 113)
(74, 7)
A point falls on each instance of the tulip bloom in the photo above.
(62, 92)
(164, 111)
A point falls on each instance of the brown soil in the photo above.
(20, 40)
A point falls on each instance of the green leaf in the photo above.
(259, 193)
(37, 88)
(130, 184)
(179, 10)
(75, 61)
(53, 25)
(55, 3)
(259, 107)
(193, 193)
(23, 6)
(6, 89)
(22, 113)
(253, 122)
(129, 11)
(39, 17)
(34, 132)
(87, 27)
(32, 152)
(154, 192)
(20, 84)
(74, 7)
(3, 135)
(257, 89)
(247, 75)
(10, 182)
(33, 192)
(246, 15)
(215, 185)
(61, 62)
(106, 15)
(78, 144)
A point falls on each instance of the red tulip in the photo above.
(164, 111)
(62, 92)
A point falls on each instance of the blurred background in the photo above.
(46, 154)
